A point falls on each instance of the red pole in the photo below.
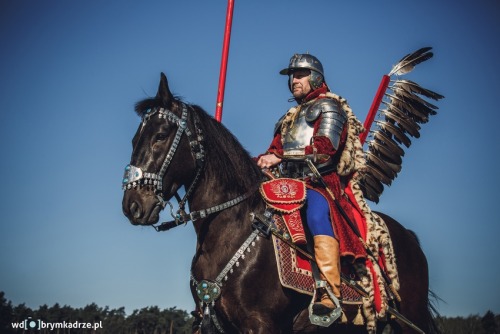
(374, 108)
(223, 64)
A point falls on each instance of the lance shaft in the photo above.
(223, 63)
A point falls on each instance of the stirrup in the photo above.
(324, 320)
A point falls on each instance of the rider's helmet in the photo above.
(305, 61)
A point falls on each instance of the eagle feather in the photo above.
(408, 62)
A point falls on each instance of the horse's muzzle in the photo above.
(141, 209)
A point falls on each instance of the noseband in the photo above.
(135, 177)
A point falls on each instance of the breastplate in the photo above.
(298, 136)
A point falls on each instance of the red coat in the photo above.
(350, 244)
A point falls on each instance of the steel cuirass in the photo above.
(300, 133)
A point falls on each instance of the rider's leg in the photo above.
(326, 247)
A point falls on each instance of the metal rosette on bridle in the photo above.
(134, 177)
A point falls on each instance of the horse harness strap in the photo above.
(209, 291)
(182, 217)
(195, 144)
(134, 176)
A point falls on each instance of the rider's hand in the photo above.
(268, 160)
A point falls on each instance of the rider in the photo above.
(319, 127)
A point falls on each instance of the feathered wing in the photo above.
(404, 108)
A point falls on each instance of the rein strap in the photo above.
(182, 217)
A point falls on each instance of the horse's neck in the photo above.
(213, 192)
(220, 235)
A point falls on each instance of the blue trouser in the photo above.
(318, 214)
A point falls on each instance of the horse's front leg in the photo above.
(197, 318)
(265, 320)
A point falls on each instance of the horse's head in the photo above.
(166, 152)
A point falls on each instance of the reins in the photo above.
(181, 217)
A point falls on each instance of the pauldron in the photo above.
(333, 118)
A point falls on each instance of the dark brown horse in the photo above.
(181, 145)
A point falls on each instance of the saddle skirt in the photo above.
(295, 272)
(295, 269)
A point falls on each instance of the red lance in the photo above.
(223, 64)
(374, 107)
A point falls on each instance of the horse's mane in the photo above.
(225, 156)
(228, 158)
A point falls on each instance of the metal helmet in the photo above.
(306, 61)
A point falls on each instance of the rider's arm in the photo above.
(273, 154)
(322, 145)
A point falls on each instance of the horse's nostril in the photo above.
(135, 210)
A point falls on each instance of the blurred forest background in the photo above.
(153, 320)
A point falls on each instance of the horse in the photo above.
(180, 145)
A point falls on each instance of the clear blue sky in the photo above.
(71, 71)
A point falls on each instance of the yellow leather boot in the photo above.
(327, 255)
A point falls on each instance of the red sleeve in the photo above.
(323, 145)
(275, 148)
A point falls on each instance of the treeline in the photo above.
(148, 320)
(152, 320)
(489, 323)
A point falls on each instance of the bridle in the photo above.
(135, 177)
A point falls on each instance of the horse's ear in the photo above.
(164, 93)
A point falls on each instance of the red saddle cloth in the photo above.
(287, 196)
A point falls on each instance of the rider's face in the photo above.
(300, 83)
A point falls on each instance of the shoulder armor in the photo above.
(278, 124)
(320, 106)
(332, 120)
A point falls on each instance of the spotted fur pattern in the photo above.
(379, 242)
(378, 238)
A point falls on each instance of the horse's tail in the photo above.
(433, 314)
(433, 299)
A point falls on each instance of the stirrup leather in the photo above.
(326, 319)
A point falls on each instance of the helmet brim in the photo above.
(285, 71)
(289, 70)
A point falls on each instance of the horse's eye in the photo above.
(161, 136)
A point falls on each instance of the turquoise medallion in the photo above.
(208, 291)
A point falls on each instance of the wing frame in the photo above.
(405, 108)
